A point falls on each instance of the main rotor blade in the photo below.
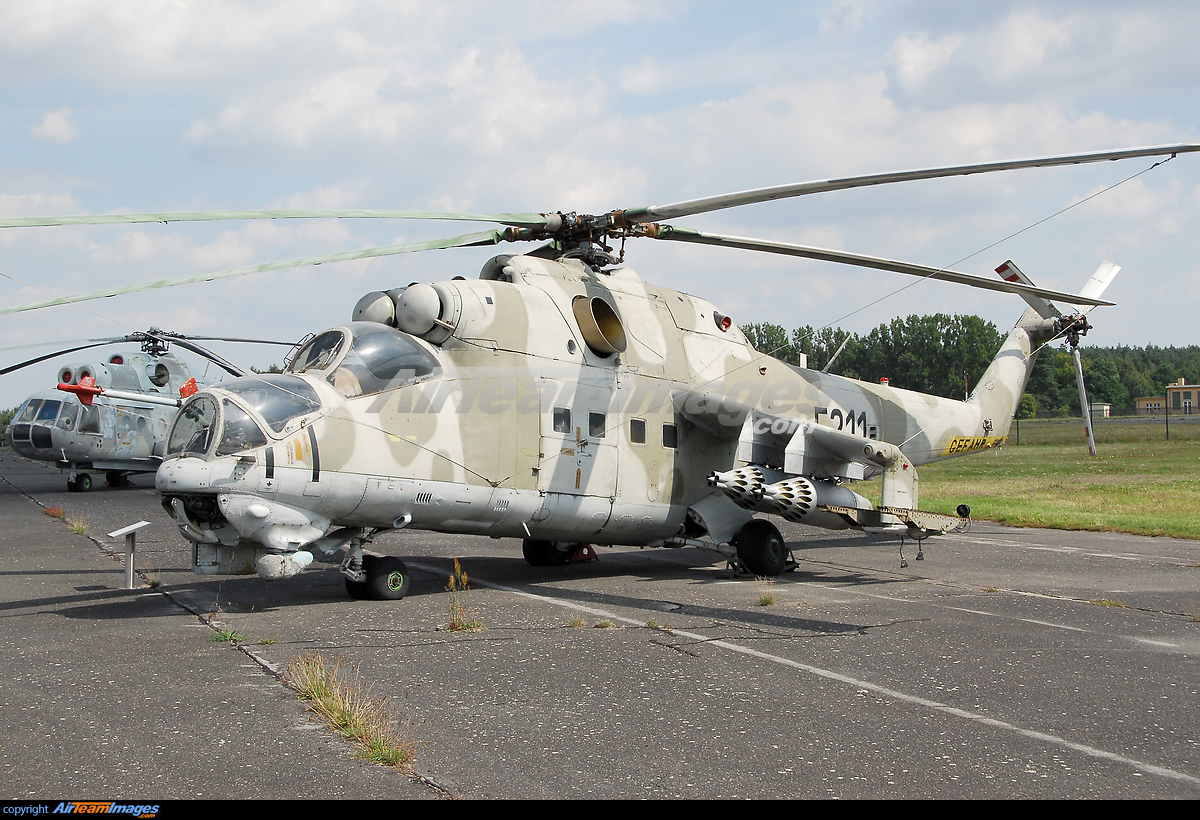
(101, 340)
(655, 213)
(879, 263)
(28, 362)
(224, 364)
(481, 238)
(514, 219)
(170, 336)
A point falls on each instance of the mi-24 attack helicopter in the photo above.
(125, 431)
(561, 399)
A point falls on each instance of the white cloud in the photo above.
(844, 17)
(56, 126)
(915, 58)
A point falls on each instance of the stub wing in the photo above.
(796, 468)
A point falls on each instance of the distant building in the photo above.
(1101, 410)
(1182, 399)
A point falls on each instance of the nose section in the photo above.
(31, 440)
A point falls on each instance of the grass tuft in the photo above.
(1109, 602)
(604, 623)
(54, 512)
(1142, 487)
(766, 591)
(338, 696)
(577, 621)
(228, 636)
(462, 617)
(78, 524)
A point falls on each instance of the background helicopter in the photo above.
(125, 431)
(509, 406)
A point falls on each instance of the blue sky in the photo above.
(583, 106)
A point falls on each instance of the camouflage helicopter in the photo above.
(126, 431)
(560, 399)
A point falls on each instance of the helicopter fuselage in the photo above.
(544, 401)
(118, 436)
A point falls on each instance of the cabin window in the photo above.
(90, 423)
(30, 411)
(597, 423)
(319, 353)
(193, 428)
(670, 436)
(239, 432)
(277, 398)
(66, 419)
(379, 359)
(49, 411)
(562, 420)
(637, 431)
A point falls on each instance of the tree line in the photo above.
(946, 355)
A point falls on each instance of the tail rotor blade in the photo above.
(1083, 401)
(1100, 280)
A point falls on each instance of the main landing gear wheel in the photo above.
(116, 478)
(81, 484)
(761, 548)
(540, 553)
(388, 579)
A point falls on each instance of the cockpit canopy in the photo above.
(276, 398)
(364, 358)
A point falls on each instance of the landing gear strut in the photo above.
(80, 483)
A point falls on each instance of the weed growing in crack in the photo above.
(340, 698)
(54, 512)
(228, 636)
(462, 617)
(766, 591)
(78, 524)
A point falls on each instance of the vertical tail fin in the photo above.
(1000, 389)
